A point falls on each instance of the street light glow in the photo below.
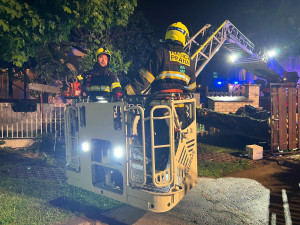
(271, 53)
(233, 57)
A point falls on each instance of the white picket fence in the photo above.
(48, 118)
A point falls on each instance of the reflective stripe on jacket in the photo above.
(100, 81)
(168, 68)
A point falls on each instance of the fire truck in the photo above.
(111, 147)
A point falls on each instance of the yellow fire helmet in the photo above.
(177, 32)
(101, 51)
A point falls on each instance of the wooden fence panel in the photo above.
(275, 119)
(282, 101)
(285, 116)
(298, 117)
(292, 131)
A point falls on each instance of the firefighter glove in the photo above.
(117, 96)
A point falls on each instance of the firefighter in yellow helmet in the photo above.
(168, 70)
(100, 81)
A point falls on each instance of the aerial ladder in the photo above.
(227, 35)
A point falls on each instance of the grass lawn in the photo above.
(219, 169)
(36, 201)
(32, 201)
(222, 143)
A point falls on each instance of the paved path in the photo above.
(211, 201)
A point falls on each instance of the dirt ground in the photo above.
(276, 174)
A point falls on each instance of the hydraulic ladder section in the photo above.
(233, 40)
(269, 69)
(227, 32)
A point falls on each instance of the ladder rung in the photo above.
(132, 136)
(161, 146)
(136, 146)
(161, 117)
(136, 161)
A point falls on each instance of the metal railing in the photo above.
(48, 118)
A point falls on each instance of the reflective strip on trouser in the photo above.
(191, 86)
(147, 75)
(129, 90)
(79, 77)
(173, 75)
(115, 85)
(157, 102)
(98, 88)
(163, 102)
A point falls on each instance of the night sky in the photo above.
(251, 17)
(267, 23)
(194, 14)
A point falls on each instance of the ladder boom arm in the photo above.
(228, 33)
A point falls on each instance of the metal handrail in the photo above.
(163, 182)
(143, 146)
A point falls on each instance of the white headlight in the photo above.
(118, 152)
(101, 99)
(85, 146)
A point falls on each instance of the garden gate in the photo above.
(285, 133)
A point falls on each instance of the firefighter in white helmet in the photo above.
(100, 81)
(168, 70)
